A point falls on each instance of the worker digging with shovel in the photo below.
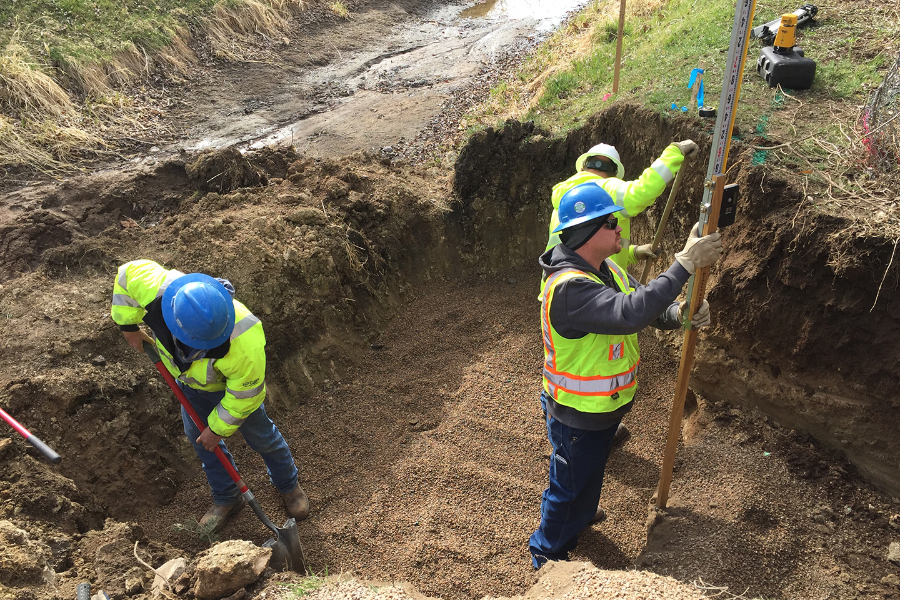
(214, 347)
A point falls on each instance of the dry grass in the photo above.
(26, 87)
(36, 129)
(45, 146)
(43, 127)
(230, 28)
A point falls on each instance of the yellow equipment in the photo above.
(787, 34)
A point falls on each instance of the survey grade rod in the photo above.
(709, 216)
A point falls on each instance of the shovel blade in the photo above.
(287, 552)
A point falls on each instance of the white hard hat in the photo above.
(604, 150)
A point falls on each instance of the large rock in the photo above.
(23, 561)
(228, 567)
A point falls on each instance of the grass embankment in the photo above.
(853, 43)
(65, 65)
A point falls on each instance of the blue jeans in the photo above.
(260, 434)
(577, 466)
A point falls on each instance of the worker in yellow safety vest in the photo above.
(591, 312)
(602, 164)
(215, 349)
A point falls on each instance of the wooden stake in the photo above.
(687, 353)
(619, 46)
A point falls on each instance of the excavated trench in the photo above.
(400, 313)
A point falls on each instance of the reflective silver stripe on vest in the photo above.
(619, 200)
(210, 371)
(616, 351)
(190, 380)
(595, 386)
(243, 325)
(545, 314)
(170, 277)
(618, 270)
(123, 280)
(244, 394)
(662, 170)
(123, 300)
(227, 417)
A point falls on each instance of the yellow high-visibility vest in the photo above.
(241, 373)
(593, 374)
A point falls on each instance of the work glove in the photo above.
(688, 148)
(644, 252)
(701, 317)
(700, 252)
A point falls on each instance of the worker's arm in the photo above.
(583, 306)
(136, 285)
(635, 196)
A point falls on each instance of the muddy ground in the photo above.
(399, 306)
(404, 367)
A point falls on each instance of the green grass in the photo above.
(93, 31)
(660, 51)
(306, 585)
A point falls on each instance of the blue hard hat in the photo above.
(199, 311)
(584, 202)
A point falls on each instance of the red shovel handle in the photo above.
(154, 356)
(31, 438)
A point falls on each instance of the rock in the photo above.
(307, 215)
(228, 567)
(893, 554)
(238, 595)
(891, 580)
(24, 560)
(336, 188)
(134, 586)
(98, 361)
(171, 570)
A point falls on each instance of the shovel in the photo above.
(287, 553)
(31, 438)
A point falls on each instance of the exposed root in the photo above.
(146, 566)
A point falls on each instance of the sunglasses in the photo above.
(610, 223)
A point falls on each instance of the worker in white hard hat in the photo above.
(603, 165)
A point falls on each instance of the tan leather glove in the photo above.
(700, 252)
(701, 317)
(688, 148)
(644, 252)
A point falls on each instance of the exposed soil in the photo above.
(404, 368)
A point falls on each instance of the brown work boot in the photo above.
(621, 436)
(216, 517)
(599, 516)
(296, 503)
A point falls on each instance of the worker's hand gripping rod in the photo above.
(709, 218)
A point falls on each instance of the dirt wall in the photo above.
(797, 329)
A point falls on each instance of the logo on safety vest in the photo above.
(579, 207)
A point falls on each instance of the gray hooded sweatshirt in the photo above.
(581, 306)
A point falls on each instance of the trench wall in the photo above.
(797, 331)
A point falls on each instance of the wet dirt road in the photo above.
(368, 82)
